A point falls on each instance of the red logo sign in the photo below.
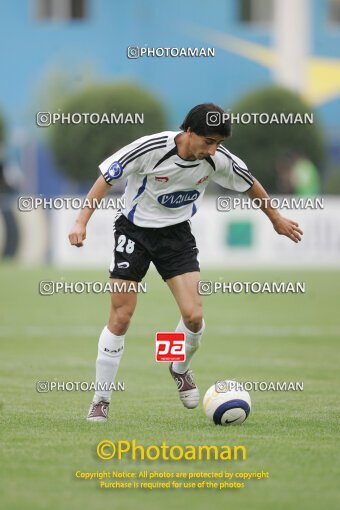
(162, 179)
(203, 179)
(170, 346)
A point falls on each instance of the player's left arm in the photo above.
(282, 225)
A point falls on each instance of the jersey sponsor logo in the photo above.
(178, 198)
(203, 179)
(161, 179)
(115, 170)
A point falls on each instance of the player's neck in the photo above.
(182, 143)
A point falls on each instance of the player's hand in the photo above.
(288, 228)
(77, 235)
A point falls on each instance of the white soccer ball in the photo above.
(227, 403)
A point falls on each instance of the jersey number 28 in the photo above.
(121, 246)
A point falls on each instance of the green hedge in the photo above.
(262, 145)
(79, 148)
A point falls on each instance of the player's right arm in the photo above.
(78, 232)
(116, 168)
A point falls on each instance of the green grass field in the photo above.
(293, 435)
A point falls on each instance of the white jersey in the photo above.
(163, 189)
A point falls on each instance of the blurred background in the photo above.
(72, 56)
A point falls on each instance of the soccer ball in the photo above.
(226, 403)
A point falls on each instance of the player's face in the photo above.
(203, 146)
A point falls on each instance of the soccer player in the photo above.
(166, 175)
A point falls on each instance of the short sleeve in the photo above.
(231, 172)
(125, 162)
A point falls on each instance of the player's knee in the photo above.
(120, 320)
(193, 319)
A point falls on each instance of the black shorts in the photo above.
(172, 249)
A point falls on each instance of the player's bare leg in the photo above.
(123, 305)
(184, 288)
(111, 348)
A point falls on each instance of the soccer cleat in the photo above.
(99, 411)
(187, 389)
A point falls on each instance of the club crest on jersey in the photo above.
(178, 198)
(115, 170)
(203, 179)
(160, 178)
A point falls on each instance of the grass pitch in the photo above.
(292, 435)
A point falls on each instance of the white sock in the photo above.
(192, 343)
(110, 351)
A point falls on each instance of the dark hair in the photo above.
(198, 120)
